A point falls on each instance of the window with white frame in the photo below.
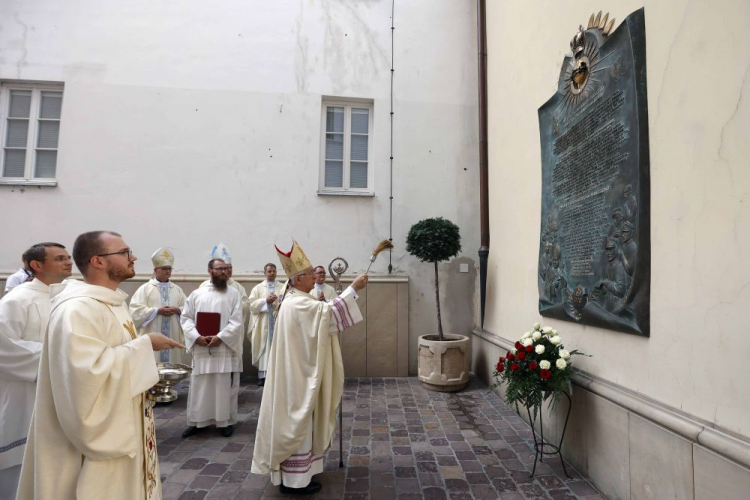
(346, 163)
(30, 129)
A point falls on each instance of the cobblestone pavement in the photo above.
(400, 442)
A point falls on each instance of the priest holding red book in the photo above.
(212, 323)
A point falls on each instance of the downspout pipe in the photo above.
(484, 208)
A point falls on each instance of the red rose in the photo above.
(501, 360)
(521, 356)
(514, 366)
(545, 374)
(533, 365)
(511, 357)
(519, 346)
(500, 367)
(529, 348)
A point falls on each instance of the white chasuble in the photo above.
(24, 313)
(214, 382)
(144, 305)
(92, 434)
(303, 387)
(262, 326)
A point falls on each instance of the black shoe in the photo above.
(190, 431)
(227, 431)
(261, 382)
(310, 489)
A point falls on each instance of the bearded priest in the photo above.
(305, 378)
(157, 304)
(92, 434)
(221, 252)
(212, 322)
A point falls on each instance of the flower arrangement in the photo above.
(537, 369)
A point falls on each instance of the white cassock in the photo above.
(328, 291)
(303, 388)
(262, 326)
(243, 295)
(215, 380)
(24, 314)
(144, 305)
(92, 434)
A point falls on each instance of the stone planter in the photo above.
(444, 366)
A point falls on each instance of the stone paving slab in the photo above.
(400, 441)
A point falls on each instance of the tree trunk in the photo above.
(437, 298)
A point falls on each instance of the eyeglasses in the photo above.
(220, 269)
(127, 252)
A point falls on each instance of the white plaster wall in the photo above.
(698, 63)
(187, 122)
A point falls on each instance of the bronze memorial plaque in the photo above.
(594, 248)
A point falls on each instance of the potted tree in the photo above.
(443, 362)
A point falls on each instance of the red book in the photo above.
(208, 324)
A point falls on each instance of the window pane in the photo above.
(20, 103)
(46, 164)
(335, 146)
(18, 133)
(334, 119)
(358, 178)
(51, 105)
(48, 134)
(359, 148)
(334, 174)
(15, 159)
(360, 120)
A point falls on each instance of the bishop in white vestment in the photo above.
(24, 314)
(92, 434)
(217, 360)
(157, 304)
(305, 380)
(263, 301)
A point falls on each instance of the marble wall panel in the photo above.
(661, 462)
(382, 329)
(718, 478)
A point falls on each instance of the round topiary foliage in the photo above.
(433, 240)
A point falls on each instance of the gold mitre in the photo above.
(295, 261)
(162, 257)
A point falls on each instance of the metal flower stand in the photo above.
(542, 447)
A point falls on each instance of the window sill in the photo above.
(28, 182)
(364, 194)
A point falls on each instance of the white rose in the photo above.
(536, 336)
(526, 335)
(564, 354)
(554, 332)
(537, 326)
(544, 365)
(527, 342)
(555, 340)
(513, 351)
(561, 364)
(539, 349)
(547, 330)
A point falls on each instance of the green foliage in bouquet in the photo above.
(536, 370)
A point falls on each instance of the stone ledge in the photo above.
(722, 442)
(244, 278)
